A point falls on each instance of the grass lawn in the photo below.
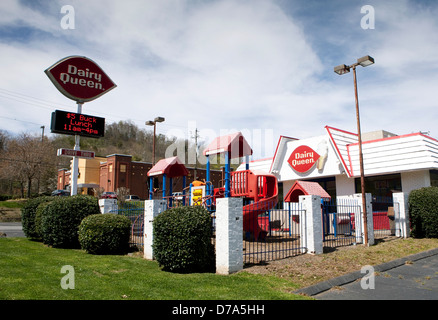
(12, 204)
(31, 270)
(10, 211)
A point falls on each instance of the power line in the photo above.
(27, 97)
(48, 105)
(39, 124)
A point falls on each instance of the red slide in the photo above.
(261, 188)
(251, 221)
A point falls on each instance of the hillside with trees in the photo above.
(29, 164)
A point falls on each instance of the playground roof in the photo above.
(305, 188)
(171, 167)
(234, 143)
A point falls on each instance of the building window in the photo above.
(123, 168)
(381, 186)
(434, 178)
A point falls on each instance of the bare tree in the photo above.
(28, 158)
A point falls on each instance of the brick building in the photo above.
(118, 170)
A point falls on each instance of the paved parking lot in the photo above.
(414, 277)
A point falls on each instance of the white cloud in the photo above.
(231, 64)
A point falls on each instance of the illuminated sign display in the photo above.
(77, 124)
(303, 159)
(79, 78)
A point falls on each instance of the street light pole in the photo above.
(154, 123)
(362, 171)
(343, 69)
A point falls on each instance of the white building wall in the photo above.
(412, 180)
(396, 154)
(344, 185)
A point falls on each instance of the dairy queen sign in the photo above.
(303, 159)
(82, 80)
(79, 78)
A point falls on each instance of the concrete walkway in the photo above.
(414, 277)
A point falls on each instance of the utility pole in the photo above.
(196, 153)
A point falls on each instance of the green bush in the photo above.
(38, 219)
(28, 212)
(182, 240)
(105, 234)
(423, 212)
(62, 217)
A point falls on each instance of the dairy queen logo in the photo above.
(79, 78)
(303, 159)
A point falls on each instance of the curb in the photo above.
(353, 276)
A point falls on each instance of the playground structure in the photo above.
(258, 189)
(169, 168)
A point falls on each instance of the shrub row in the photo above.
(423, 212)
(28, 213)
(75, 222)
(182, 236)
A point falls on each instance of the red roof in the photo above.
(171, 167)
(305, 188)
(234, 143)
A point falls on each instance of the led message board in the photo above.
(77, 124)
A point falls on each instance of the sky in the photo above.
(262, 67)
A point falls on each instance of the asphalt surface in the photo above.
(12, 229)
(414, 277)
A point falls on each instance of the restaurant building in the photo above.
(392, 163)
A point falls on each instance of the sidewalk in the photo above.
(414, 277)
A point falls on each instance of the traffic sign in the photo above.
(75, 153)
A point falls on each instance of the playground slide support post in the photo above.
(151, 187)
(227, 175)
(208, 187)
(184, 190)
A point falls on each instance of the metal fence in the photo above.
(385, 211)
(135, 212)
(272, 234)
(340, 218)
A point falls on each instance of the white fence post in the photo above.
(312, 236)
(229, 235)
(152, 208)
(401, 213)
(108, 205)
(370, 224)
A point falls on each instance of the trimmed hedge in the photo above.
(105, 234)
(61, 219)
(423, 212)
(39, 218)
(28, 213)
(182, 240)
